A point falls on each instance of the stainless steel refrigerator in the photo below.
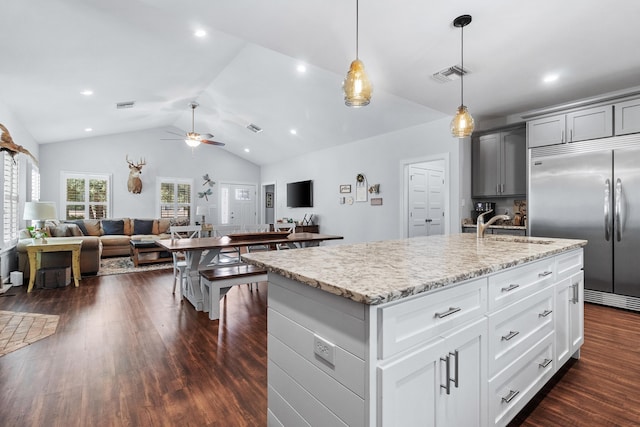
(591, 190)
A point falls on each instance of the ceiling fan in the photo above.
(193, 139)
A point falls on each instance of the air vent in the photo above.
(128, 104)
(449, 74)
(254, 128)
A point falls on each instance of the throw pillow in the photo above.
(113, 226)
(142, 226)
(80, 224)
(62, 230)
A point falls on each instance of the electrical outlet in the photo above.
(324, 349)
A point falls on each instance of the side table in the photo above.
(35, 250)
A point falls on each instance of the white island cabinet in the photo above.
(429, 331)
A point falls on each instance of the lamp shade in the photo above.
(357, 87)
(201, 210)
(39, 211)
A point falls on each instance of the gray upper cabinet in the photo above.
(589, 123)
(627, 116)
(499, 162)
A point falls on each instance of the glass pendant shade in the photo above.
(357, 86)
(192, 142)
(462, 124)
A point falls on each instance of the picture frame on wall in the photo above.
(345, 188)
(269, 200)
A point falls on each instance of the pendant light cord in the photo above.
(462, 65)
(357, 29)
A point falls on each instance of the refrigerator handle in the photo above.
(607, 208)
(618, 209)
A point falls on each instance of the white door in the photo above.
(238, 204)
(426, 199)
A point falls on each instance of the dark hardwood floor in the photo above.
(127, 353)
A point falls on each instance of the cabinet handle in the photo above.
(509, 397)
(562, 135)
(497, 188)
(502, 188)
(545, 273)
(510, 335)
(510, 288)
(570, 135)
(448, 312)
(455, 367)
(447, 385)
(545, 313)
(545, 363)
(576, 294)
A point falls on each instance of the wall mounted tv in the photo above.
(300, 194)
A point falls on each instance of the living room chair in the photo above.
(179, 261)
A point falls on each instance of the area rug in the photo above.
(18, 330)
(121, 265)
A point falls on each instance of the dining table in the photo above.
(203, 253)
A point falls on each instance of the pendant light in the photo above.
(462, 124)
(357, 87)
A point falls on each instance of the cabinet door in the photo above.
(591, 123)
(546, 131)
(466, 404)
(627, 116)
(513, 163)
(409, 388)
(486, 165)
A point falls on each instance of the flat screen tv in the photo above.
(300, 194)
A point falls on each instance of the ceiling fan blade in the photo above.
(219, 144)
(176, 133)
(171, 139)
(206, 135)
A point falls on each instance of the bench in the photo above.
(218, 281)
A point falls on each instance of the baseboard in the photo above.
(612, 300)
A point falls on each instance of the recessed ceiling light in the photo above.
(549, 78)
(86, 92)
(246, 150)
(200, 33)
(293, 132)
(301, 68)
(88, 129)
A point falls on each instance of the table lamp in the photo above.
(201, 210)
(39, 212)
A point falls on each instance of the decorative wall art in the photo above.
(134, 183)
(361, 188)
(268, 200)
(345, 188)
(376, 201)
(7, 144)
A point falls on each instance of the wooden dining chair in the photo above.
(284, 226)
(228, 255)
(179, 261)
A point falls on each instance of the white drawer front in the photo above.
(569, 263)
(411, 322)
(515, 329)
(510, 391)
(518, 282)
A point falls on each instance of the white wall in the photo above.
(164, 159)
(18, 132)
(380, 159)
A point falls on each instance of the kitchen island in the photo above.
(441, 330)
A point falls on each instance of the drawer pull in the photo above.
(509, 397)
(545, 363)
(455, 368)
(545, 274)
(510, 288)
(448, 312)
(510, 335)
(545, 313)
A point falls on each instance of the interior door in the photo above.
(238, 204)
(426, 200)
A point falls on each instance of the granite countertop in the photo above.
(378, 272)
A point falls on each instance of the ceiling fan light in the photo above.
(462, 124)
(192, 142)
(357, 86)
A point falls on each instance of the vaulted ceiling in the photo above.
(244, 70)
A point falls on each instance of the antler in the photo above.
(142, 162)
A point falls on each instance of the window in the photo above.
(175, 197)
(34, 180)
(86, 196)
(10, 176)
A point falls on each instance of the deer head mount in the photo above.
(134, 183)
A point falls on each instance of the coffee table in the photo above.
(146, 246)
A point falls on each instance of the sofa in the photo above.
(100, 238)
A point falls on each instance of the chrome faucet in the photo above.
(482, 226)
